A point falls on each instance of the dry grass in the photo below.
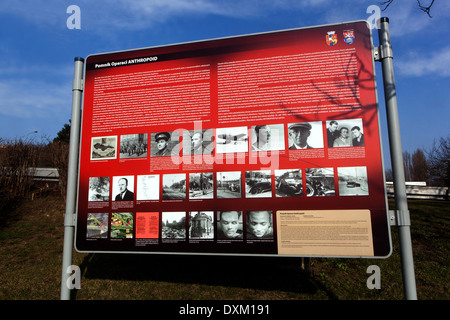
(31, 253)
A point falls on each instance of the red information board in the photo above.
(265, 144)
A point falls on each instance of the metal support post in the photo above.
(402, 218)
(72, 177)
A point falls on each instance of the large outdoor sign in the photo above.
(265, 144)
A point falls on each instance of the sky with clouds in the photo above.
(37, 51)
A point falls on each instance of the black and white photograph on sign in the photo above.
(357, 136)
(230, 225)
(173, 225)
(133, 146)
(174, 186)
(99, 188)
(288, 183)
(147, 187)
(122, 225)
(353, 181)
(123, 188)
(259, 225)
(201, 225)
(201, 185)
(320, 182)
(97, 226)
(332, 132)
(231, 140)
(198, 142)
(258, 184)
(104, 148)
(305, 135)
(267, 137)
(345, 133)
(229, 184)
(165, 144)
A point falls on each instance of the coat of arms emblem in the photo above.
(331, 38)
(349, 36)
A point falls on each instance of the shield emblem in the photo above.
(349, 36)
(331, 38)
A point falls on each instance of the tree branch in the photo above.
(426, 9)
(386, 4)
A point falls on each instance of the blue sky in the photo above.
(37, 51)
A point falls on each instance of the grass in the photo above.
(31, 245)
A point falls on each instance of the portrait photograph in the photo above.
(197, 142)
(259, 225)
(305, 135)
(123, 188)
(230, 225)
(345, 133)
(267, 137)
(165, 144)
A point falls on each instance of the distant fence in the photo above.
(46, 174)
(419, 190)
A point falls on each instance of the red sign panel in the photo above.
(260, 144)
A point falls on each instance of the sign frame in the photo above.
(173, 54)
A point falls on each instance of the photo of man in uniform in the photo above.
(162, 144)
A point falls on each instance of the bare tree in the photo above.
(389, 175)
(18, 159)
(425, 9)
(59, 152)
(419, 166)
(407, 165)
(439, 162)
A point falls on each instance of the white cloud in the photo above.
(25, 99)
(141, 14)
(99, 16)
(436, 63)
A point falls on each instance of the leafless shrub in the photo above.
(18, 159)
(59, 153)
